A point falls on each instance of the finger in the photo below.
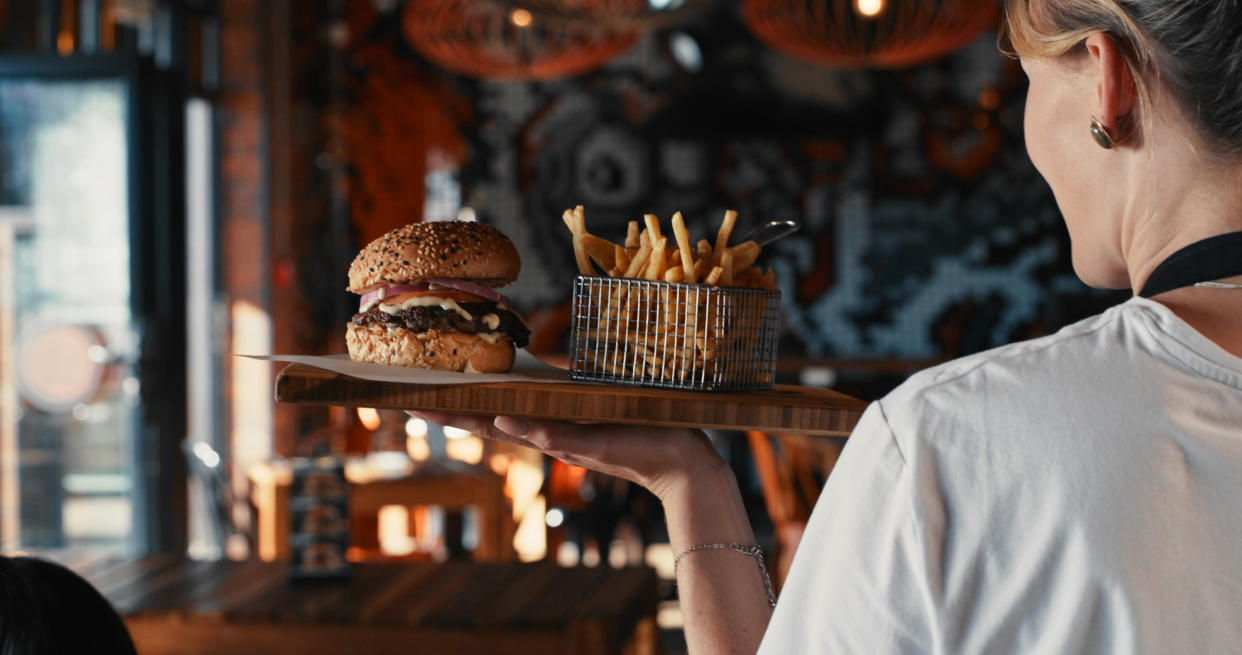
(510, 425)
(608, 448)
(477, 425)
(557, 438)
(572, 443)
(464, 421)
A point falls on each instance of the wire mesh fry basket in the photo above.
(673, 336)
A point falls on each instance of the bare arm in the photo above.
(723, 600)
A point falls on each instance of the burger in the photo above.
(429, 299)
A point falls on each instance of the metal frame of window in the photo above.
(156, 194)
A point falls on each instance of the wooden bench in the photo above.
(174, 605)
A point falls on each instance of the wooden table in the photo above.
(451, 485)
(177, 606)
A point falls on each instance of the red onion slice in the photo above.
(376, 295)
(471, 287)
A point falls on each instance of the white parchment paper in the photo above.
(526, 368)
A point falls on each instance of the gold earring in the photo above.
(1101, 135)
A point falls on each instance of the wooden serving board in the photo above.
(801, 410)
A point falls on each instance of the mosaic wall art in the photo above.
(926, 232)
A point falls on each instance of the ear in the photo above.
(1115, 87)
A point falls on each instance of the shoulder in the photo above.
(1031, 356)
(1005, 385)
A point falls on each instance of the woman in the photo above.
(1075, 493)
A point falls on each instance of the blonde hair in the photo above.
(1191, 47)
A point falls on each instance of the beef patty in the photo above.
(422, 319)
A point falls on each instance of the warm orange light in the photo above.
(868, 33)
(416, 428)
(418, 449)
(530, 540)
(468, 449)
(989, 99)
(522, 485)
(521, 17)
(369, 417)
(64, 43)
(869, 8)
(499, 463)
(484, 39)
(394, 530)
(251, 397)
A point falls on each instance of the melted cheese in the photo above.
(423, 301)
(491, 337)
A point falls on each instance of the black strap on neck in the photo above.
(1202, 261)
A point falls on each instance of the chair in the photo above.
(792, 469)
(206, 469)
(451, 485)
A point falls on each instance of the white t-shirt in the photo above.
(1077, 493)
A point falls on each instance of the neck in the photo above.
(1186, 197)
(1202, 263)
(1178, 212)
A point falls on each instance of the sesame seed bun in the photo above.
(444, 351)
(448, 249)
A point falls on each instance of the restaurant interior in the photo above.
(183, 182)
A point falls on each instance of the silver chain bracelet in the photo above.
(753, 551)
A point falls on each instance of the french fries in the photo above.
(575, 220)
(683, 244)
(620, 258)
(722, 236)
(655, 267)
(649, 254)
(631, 235)
(681, 332)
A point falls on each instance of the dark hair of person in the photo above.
(47, 609)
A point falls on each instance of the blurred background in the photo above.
(182, 181)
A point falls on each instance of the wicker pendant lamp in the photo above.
(869, 33)
(484, 39)
(614, 14)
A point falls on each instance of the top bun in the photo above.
(446, 249)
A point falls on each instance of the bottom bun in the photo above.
(442, 351)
